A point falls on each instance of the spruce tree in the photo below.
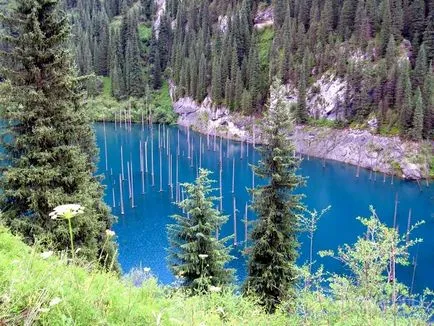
(428, 104)
(49, 144)
(386, 26)
(428, 36)
(403, 96)
(420, 68)
(302, 109)
(271, 268)
(417, 126)
(195, 254)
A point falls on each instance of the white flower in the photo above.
(66, 211)
(220, 310)
(46, 255)
(55, 301)
(110, 233)
(203, 256)
(215, 288)
(146, 269)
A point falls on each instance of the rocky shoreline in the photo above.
(391, 155)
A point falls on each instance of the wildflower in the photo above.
(203, 256)
(46, 255)
(221, 311)
(110, 233)
(146, 269)
(55, 301)
(215, 288)
(66, 211)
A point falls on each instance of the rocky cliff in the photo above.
(358, 147)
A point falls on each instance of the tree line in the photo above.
(382, 49)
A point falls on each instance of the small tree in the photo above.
(271, 270)
(372, 261)
(195, 254)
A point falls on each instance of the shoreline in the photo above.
(311, 141)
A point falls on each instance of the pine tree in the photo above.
(302, 110)
(216, 83)
(202, 79)
(398, 17)
(403, 97)
(156, 72)
(50, 148)
(428, 104)
(386, 26)
(417, 125)
(391, 52)
(421, 68)
(195, 254)
(417, 19)
(279, 13)
(428, 36)
(271, 269)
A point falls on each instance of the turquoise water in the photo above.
(141, 230)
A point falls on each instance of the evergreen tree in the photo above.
(420, 68)
(202, 79)
(428, 36)
(417, 126)
(156, 72)
(49, 144)
(428, 104)
(386, 26)
(302, 109)
(403, 97)
(271, 269)
(195, 254)
(216, 84)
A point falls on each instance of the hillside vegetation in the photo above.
(351, 61)
(39, 289)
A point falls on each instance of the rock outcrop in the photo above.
(358, 147)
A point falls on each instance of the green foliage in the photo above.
(45, 289)
(107, 87)
(158, 103)
(271, 269)
(196, 256)
(145, 32)
(265, 39)
(48, 140)
(372, 263)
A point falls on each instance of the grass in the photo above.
(265, 39)
(36, 290)
(107, 87)
(105, 106)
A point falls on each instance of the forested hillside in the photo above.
(379, 53)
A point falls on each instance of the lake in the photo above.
(141, 230)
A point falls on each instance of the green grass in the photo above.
(322, 123)
(52, 291)
(162, 109)
(265, 39)
(389, 131)
(107, 87)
